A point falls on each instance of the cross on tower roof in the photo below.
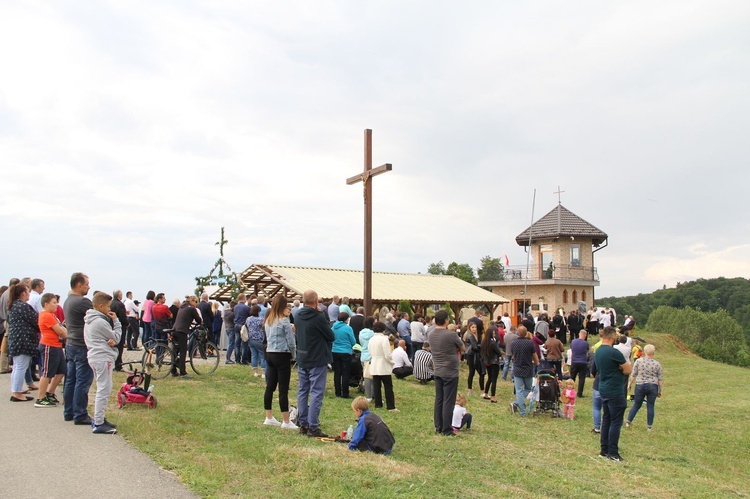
(558, 192)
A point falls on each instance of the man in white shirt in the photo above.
(506, 320)
(417, 333)
(401, 364)
(35, 296)
(605, 319)
(131, 310)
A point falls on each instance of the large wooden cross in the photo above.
(366, 178)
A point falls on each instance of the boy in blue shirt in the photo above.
(371, 434)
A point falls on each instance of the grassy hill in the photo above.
(208, 431)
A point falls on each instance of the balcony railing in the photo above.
(556, 272)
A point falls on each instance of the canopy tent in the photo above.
(388, 288)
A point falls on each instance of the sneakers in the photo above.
(271, 422)
(45, 402)
(52, 398)
(596, 430)
(316, 433)
(104, 428)
(616, 458)
(289, 426)
(394, 410)
(109, 424)
(303, 430)
(603, 455)
(627, 424)
(229, 362)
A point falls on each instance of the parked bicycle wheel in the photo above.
(204, 357)
(158, 361)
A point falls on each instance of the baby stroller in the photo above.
(549, 393)
(356, 375)
(132, 391)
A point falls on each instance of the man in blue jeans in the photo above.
(510, 337)
(79, 376)
(314, 341)
(613, 369)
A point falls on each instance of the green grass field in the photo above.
(208, 431)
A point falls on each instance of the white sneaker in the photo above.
(289, 426)
(255, 375)
(271, 422)
(263, 376)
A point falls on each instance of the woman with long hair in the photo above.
(474, 358)
(281, 350)
(23, 339)
(491, 355)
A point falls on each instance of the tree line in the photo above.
(711, 316)
(490, 269)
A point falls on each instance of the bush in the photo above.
(712, 335)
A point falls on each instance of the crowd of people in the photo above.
(81, 340)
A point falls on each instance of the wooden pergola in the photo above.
(389, 289)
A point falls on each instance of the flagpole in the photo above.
(528, 255)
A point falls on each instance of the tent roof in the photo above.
(387, 287)
(560, 222)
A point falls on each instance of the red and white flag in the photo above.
(507, 262)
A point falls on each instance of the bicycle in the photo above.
(204, 354)
(158, 357)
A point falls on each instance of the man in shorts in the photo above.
(53, 365)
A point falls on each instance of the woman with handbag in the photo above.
(474, 359)
(23, 340)
(281, 350)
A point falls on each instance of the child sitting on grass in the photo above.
(569, 398)
(371, 434)
(461, 418)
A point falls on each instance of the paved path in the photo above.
(79, 464)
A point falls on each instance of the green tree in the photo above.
(463, 271)
(436, 268)
(405, 306)
(490, 269)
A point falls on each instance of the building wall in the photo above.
(561, 251)
(552, 293)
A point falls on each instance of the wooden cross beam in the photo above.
(366, 178)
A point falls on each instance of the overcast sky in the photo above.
(130, 132)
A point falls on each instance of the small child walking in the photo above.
(569, 398)
(102, 333)
(461, 418)
(371, 434)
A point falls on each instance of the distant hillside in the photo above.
(708, 295)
